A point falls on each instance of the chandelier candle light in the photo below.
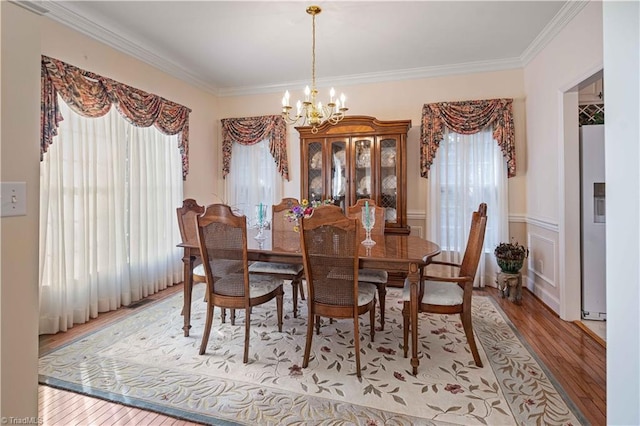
(309, 112)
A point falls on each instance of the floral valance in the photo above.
(91, 95)
(466, 118)
(251, 130)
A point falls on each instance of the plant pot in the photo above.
(510, 266)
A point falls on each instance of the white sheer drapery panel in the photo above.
(253, 179)
(155, 179)
(468, 170)
(85, 221)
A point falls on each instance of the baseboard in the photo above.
(591, 333)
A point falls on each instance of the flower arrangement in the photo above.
(510, 256)
(305, 209)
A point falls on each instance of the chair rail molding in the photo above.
(542, 223)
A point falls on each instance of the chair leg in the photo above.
(233, 316)
(223, 315)
(207, 328)
(356, 343)
(405, 328)
(301, 290)
(307, 345)
(382, 295)
(247, 325)
(372, 320)
(294, 288)
(317, 325)
(468, 331)
(279, 299)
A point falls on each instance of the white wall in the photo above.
(622, 163)
(19, 158)
(551, 80)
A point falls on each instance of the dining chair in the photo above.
(452, 294)
(222, 237)
(286, 271)
(374, 276)
(189, 232)
(330, 245)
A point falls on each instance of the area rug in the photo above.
(145, 361)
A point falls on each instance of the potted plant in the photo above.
(511, 256)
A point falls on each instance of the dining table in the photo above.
(401, 253)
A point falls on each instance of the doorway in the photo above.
(570, 259)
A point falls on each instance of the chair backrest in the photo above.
(473, 251)
(279, 221)
(355, 212)
(187, 220)
(282, 227)
(330, 256)
(222, 237)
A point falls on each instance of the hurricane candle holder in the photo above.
(368, 221)
(261, 221)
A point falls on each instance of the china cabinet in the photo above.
(360, 157)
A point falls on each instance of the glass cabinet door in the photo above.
(389, 178)
(338, 176)
(314, 178)
(363, 150)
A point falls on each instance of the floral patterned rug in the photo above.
(145, 361)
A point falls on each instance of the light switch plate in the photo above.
(14, 199)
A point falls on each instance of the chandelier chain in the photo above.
(313, 52)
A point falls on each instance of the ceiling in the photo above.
(243, 47)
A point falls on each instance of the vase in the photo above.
(510, 266)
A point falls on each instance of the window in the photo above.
(468, 170)
(253, 178)
(108, 228)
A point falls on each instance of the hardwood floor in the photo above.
(574, 358)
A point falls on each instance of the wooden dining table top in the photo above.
(389, 249)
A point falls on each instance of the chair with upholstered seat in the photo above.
(222, 237)
(286, 271)
(374, 276)
(330, 245)
(189, 234)
(188, 231)
(452, 295)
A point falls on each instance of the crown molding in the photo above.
(31, 6)
(562, 18)
(58, 12)
(379, 77)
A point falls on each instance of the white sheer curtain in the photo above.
(468, 170)
(253, 178)
(108, 193)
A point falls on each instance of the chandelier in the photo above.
(309, 112)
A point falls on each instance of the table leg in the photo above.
(414, 278)
(187, 261)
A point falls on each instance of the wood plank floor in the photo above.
(573, 356)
